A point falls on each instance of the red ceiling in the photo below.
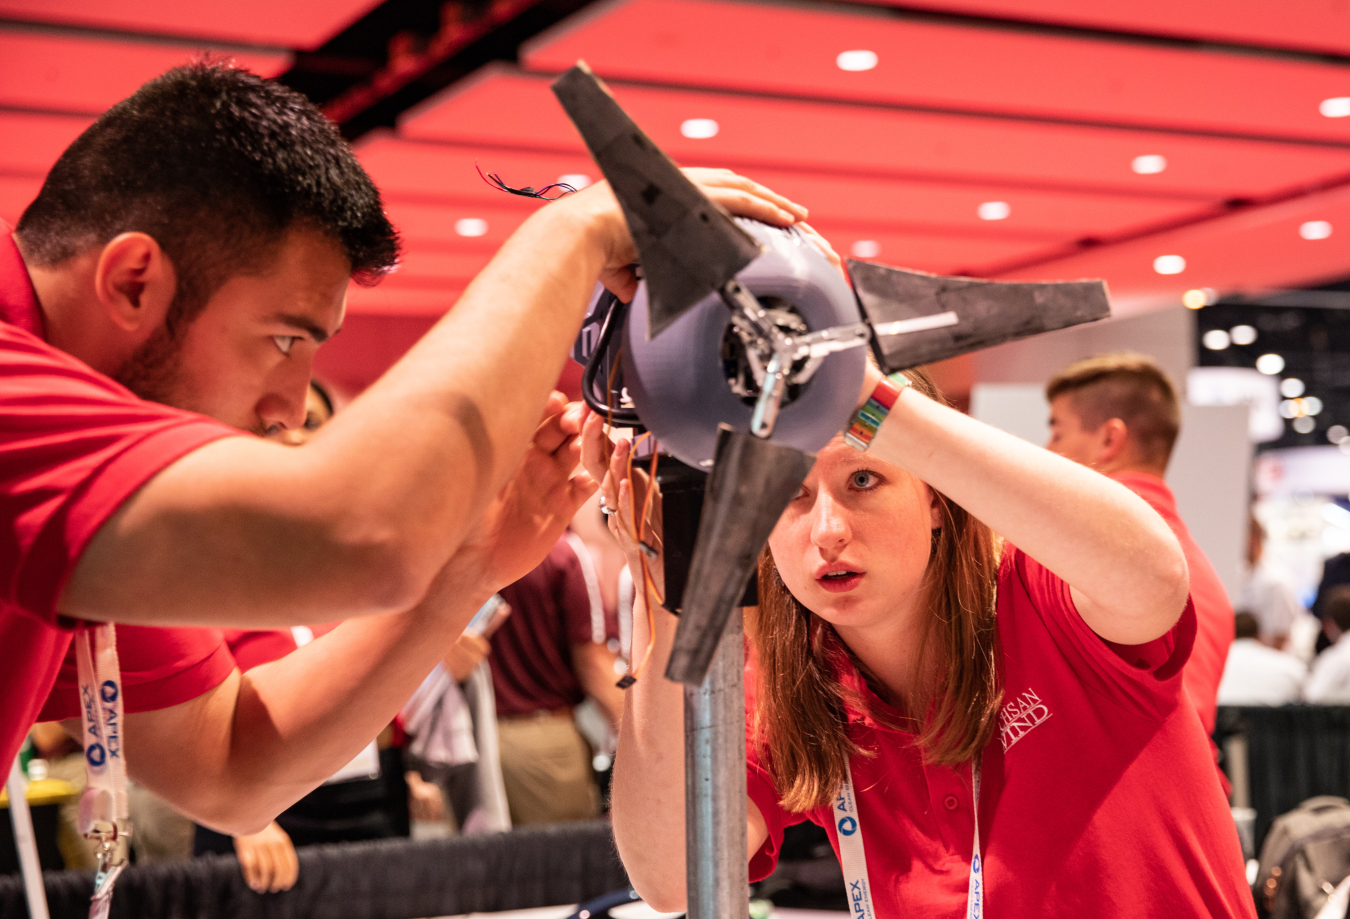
(755, 48)
(297, 25)
(79, 73)
(957, 113)
(1313, 25)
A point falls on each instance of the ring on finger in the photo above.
(606, 509)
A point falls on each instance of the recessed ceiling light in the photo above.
(1195, 298)
(1289, 408)
(1315, 229)
(993, 210)
(1305, 425)
(1242, 334)
(1337, 433)
(1337, 107)
(577, 180)
(1169, 264)
(1215, 339)
(699, 128)
(856, 60)
(1270, 364)
(471, 226)
(1149, 164)
(1291, 388)
(866, 248)
(1312, 405)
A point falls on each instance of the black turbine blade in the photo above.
(687, 245)
(751, 482)
(919, 318)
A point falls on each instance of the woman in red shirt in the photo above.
(973, 719)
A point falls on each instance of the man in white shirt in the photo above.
(1329, 682)
(1256, 674)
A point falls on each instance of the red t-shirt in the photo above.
(1213, 612)
(1098, 797)
(552, 609)
(73, 446)
(163, 667)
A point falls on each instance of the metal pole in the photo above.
(717, 870)
(26, 843)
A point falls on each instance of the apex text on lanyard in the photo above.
(852, 858)
(103, 804)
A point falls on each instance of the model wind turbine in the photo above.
(742, 353)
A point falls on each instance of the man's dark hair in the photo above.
(1337, 606)
(216, 164)
(1245, 625)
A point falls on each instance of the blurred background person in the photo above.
(1257, 674)
(1270, 596)
(547, 658)
(1329, 681)
(1118, 414)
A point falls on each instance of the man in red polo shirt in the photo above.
(1118, 414)
(165, 293)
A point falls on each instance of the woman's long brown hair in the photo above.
(800, 705)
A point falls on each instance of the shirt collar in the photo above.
(18, 299)
(1158, 494)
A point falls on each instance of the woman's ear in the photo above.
(935, 514)
(135, 282)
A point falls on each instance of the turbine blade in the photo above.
(687, 245)
(751, 482)
(919, 318)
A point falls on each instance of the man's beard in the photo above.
(154, 371)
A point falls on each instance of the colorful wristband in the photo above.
(868, 419)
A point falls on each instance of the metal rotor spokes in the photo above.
(763, 339)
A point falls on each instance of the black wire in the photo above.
(528, 191)
(613, 321)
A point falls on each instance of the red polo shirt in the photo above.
(73, 446)
(1213, 612)
(1098, 796)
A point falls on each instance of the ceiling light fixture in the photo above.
(1336, 107)
(856, 60)
(994, 210)
(1337, 433)
(1169, 264)
(866, 248)
(471, 226)
(577, 180)
(1270, 364)
(1315, 229)
(1305, 425)
(1291, 387)
(1215, 339)
(699, 128)
(1242, 334)
(1149, 164)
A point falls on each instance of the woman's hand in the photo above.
(267, 860)
(634, 497)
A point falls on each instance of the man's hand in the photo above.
(425, 801)
(267, 860)
(738, 195)
(609, 461)
(529, 514)
(467, 653)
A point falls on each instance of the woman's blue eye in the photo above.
(863, 479)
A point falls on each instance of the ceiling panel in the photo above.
(855, 204)
(1314, 25)
(1257, 249)
(791, 51)
(459, 227)
(390, 300)
(30, 143)
(302, 24)
(77, 73)
(518, 110)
